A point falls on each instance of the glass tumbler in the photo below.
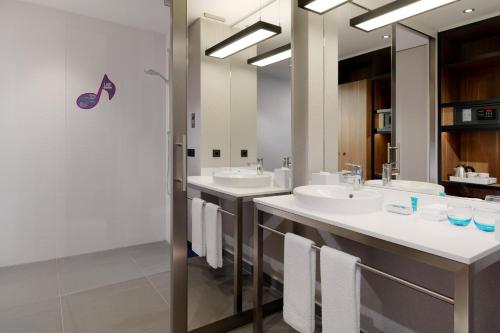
(484, 218)
(459, 214)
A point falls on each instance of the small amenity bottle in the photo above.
(283, 175)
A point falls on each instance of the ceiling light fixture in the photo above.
(321, 6)
(279, 54)
(468, 10)
(247, 37)
(394, 12)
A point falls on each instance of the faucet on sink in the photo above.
(356, 176)
(260, 166)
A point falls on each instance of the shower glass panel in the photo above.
(83, 180)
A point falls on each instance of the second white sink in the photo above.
(409, 186)
(239, 178)
(337, 199)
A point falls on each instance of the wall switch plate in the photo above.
(191, 152)
(216, 153)
(244, 153)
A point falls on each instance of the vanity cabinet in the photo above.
(469, 105)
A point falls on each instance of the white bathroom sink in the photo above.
(240, 178)
(408, 185)
(339, 199)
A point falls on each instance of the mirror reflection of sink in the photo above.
(242, 178)
(338, 199)
(408, 185)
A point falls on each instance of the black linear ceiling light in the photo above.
(321, 6)
(247, 37)
(394, 12)
(278, 54)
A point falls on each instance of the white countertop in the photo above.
(208, 183)
(462, 244)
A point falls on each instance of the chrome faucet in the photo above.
(287, 163)
(387, 169)
(356, 175)
(260, 166)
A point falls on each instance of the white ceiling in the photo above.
(232, 10)
(153, 15)
(149, 15)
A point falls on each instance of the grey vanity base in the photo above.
(463, 273)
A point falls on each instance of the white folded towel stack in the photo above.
(198, 227)
(213, 232)
(299, 283)
(340, 291)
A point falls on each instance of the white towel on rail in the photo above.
(299, 283)
(198, 227)
(340, 291)
(213, 232)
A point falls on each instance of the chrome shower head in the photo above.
(155, 73)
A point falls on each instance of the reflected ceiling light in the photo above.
(279, 54)
(468, 10)
(386, 36)
(394, 12)
(321, 6)
(247, 37)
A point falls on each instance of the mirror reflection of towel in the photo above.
(213, 232)
(198, 227)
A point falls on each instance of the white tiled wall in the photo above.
(74, 181)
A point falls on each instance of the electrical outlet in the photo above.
(244, 153)
(216, 153)
(191, 152)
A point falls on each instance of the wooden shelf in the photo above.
(468, 128)
(382, 131)
(463, 103)
(386, 76)
(491, 59)
(492, 186)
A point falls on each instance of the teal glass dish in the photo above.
(459, 214)
(485, 217)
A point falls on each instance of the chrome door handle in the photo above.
(183, 146)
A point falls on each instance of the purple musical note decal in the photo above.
(90, 100)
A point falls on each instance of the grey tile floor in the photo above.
(114, 291)
(118, 291)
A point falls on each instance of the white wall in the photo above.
(222, 93)
(274, 113)
(413, 104)
(75, 181)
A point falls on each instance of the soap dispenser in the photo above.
(283, 175)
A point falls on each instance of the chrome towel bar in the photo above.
(383, 274)
(220, 209)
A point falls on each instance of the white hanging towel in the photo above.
(198, 227)
(213, 232)
(299, 283)
(340, 291)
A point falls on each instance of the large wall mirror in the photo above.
(239, 123)
(400, 98)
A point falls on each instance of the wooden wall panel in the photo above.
(380, 149)
(450, 153)
(355, 129)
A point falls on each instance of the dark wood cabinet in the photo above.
(469, 77)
